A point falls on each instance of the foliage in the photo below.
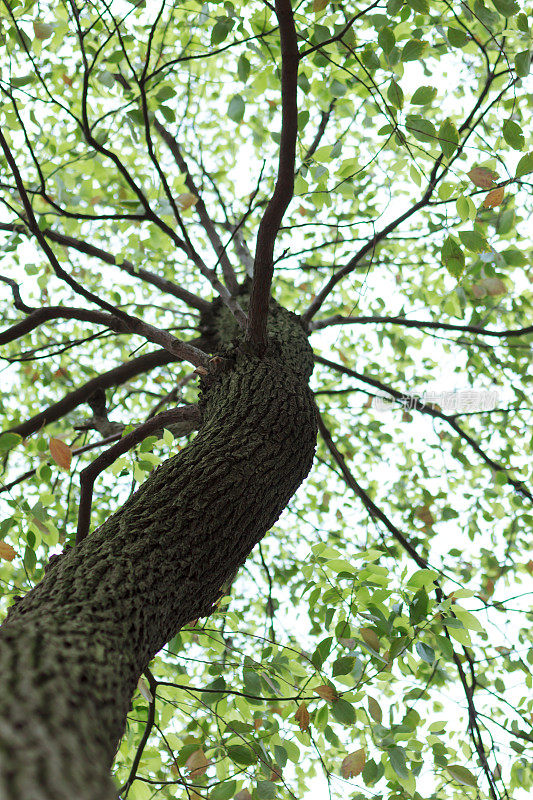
(379, 638)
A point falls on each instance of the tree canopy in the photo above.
(377, 642)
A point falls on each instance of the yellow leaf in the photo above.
(186, 200)
(370, 638)
(482, 177)
(7, 552)
(197, 763)
(302, 717)
(353, 764)
(61, 453)
(327, 693)
(374, 709)
(494, 198)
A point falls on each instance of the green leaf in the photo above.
(421, 128)
(221, 31)
(8, 441)
(423, 95)
(448, 138)
(413, 50)
(474, 241)
(513, 135)
(418, 609)
(386, 39)
(223, 791)
(236, 108)
(421, 6)
(265, 790)
(425, 652)
(241, 754)
(343, 666)
(457, 37)
(461, 775)
(522, 63)
(398, 763)
(106, 78)
(243, 68)
(507, 8)
(395, 94)
(280, 755)
(343, 712)
(525, 165)
(369, 58)
(214, 697)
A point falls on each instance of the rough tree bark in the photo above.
(72, 650)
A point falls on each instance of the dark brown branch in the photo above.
(284, 188)
(114, 377)
(200, 207)
(338, 319)
(146, 734)
(135, 325)
(38, 316)
(417, 404)
(126, 266)
(184, 414)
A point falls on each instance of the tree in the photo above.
(244, 192)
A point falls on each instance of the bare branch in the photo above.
(284, 189)
(338, 319)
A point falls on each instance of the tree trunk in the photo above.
(72, 650)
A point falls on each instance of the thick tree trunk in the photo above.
(72, 650)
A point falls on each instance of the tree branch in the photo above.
(200, 207)
(268, 229)
(338, 319)
(114, 377)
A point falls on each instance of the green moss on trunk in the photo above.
(72, 650)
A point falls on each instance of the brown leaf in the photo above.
(319, 5)
(61, 453)
(197, 763)
(353, 764)
(494, 198)
(374, 709)
(7, 552)
(370, 638)
(276, 775)
(529, 567)
(186, 200)
(424, 515)
(350, 643)
(494, 286)
(327, 693)
(302, 717)
(482, 177)
(244, 794)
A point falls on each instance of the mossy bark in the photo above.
(72, 650)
